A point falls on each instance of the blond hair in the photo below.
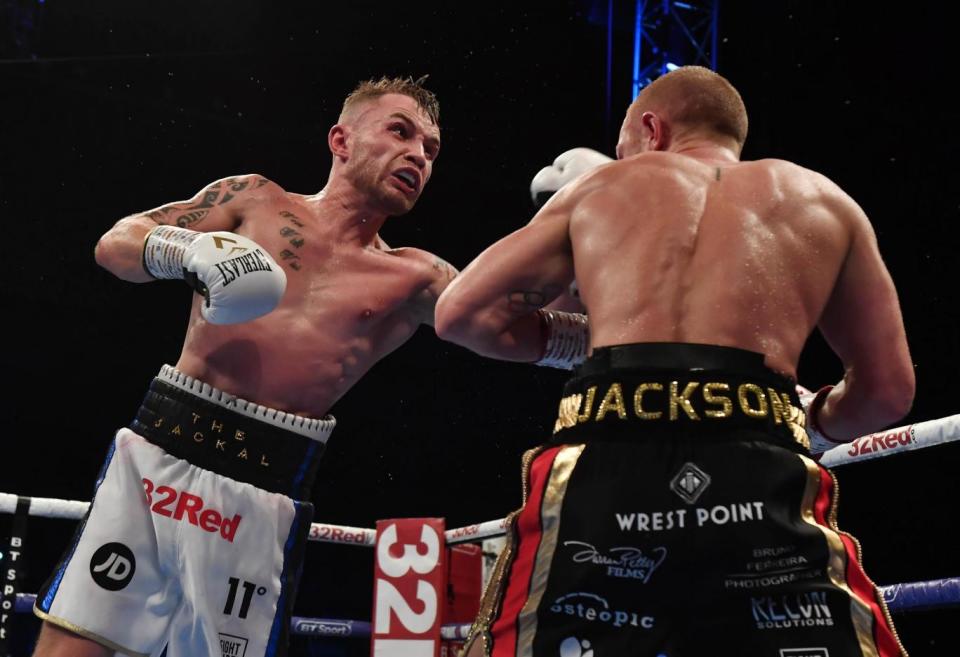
(372, 89)
(698, 98)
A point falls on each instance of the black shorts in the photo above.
(676, 512)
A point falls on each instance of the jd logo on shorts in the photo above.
(690, 483)
(112, 566)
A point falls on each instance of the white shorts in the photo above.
(200, 561)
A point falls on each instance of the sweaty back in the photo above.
(676, 249)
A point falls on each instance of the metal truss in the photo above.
(671, 33)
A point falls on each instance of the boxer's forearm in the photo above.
(567, 303)
(487, 335)
(855, 408)
(120, 250)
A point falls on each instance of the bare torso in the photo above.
(345, 307)
(707, 245)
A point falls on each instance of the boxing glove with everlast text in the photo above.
(236, 276)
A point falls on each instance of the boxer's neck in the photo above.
(350, 211)
(704, 149)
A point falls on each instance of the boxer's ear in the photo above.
(338, 141)
(656, 133)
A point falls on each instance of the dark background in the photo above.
(112, 107)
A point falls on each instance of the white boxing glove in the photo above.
(569, 165)
(236, 276)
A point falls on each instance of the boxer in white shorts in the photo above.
(195, 517)
(193, 542)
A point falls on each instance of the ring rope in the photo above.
(865, 448)
(323, 627)
(899, 597)
(911, 596)
(894, 441)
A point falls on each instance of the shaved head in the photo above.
(695, 99)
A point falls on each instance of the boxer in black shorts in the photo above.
(729, 531)
(678, 509)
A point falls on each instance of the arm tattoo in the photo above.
(447, 271)
(293, 236)
(522, 302)
(236, 186)
(218, 193)
(190, 218)
(290, 258)
(292, 218)
(160, 213)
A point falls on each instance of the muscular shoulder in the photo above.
(810, 184)
(251, 185)
(816, 196)
(795, 178)
(220, 205)
(235, 193)
(418, 256)
(571, 195)
(248, 195)
(645, 171)
(433, 267)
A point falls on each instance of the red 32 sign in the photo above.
(408, 589)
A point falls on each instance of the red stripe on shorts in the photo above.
(529, 531)
(856, 577)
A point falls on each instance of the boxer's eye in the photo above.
(399, 128)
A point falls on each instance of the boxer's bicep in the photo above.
(217, 207)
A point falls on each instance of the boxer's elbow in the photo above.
(121, 257)
(444, 317)
(452, 321)
(888, 396)
(894, 399)
(105, 254)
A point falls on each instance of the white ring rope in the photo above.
(865, 448)
(894, 441)
(46, 507)
(918, 595)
